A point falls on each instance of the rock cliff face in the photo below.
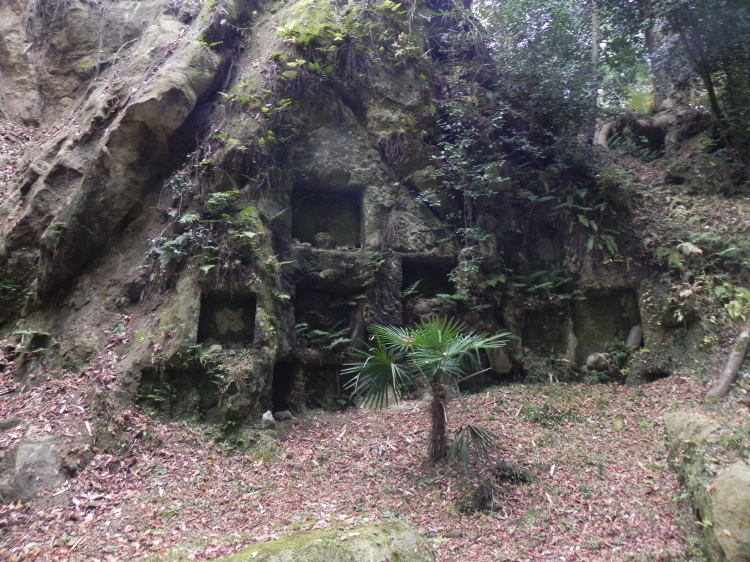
(216, 172)
(224, 194)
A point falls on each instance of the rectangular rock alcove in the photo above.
(322, 317)
(288, 387)
(432, 274)
(179, 394)
(604, 317)
(325, 387)
(546, 331)
(327, 311)
(227, 319)
(327, 218)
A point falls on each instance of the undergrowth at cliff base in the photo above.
(599, 487)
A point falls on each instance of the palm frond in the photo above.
(380, 377)
(434, 332)
(471, 443)
(392, 336)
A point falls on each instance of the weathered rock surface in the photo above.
(148, 112)
(723, 501)
(686, 430)
(41, 461)
(267, 421)
(731, 508)
(597, 362)
(389, 541)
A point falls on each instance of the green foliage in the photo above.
(389, 5)
(436, 352)
(618, 352)
(208, 44)
(220, 203)
(470, 445)
(736, 300)
(219, 237)
(545, 286)
(543, 51)
(163, 394)
(329, 335)
(190, 218)
(628, 146)
(157, 399)
(712, 39)
(168, 252)
(412, 291)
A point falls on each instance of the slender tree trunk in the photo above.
(595, 81)
(595, 30)
(438, 447)
(722, 385)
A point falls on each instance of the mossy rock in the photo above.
(395, 541)
(689, 429)
(732, 512)
(703, 174)
(722, 505)
(308, 20)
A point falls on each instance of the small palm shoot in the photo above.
(437, 352)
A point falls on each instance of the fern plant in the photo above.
(329, 335)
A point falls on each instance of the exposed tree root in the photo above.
(729, 375)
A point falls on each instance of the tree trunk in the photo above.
(721, 386)
(438, 447)
(595, 31)
(663, 87)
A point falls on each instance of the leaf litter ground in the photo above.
(603, 489)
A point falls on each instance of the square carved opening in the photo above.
(227, 319)
(433, 276)
(327, 218)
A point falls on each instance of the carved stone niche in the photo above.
(423, 278)
(288, 388)
(327, 218)
(432, 273)
(604, 317)
(227, 319)
(324, 311)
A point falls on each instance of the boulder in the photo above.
(33, 468)
(686, 430)
(695, 445)
(597, 362)
(324, 241)
(283, 415)
(268, 421)
(731, 509)
(500, 360)
(635, 337)
(389, 541)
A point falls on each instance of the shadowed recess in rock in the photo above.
(336, 213)
(227, 319)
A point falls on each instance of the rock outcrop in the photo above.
(388, 541)
(719, 485)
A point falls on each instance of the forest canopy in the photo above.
(565, 58)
